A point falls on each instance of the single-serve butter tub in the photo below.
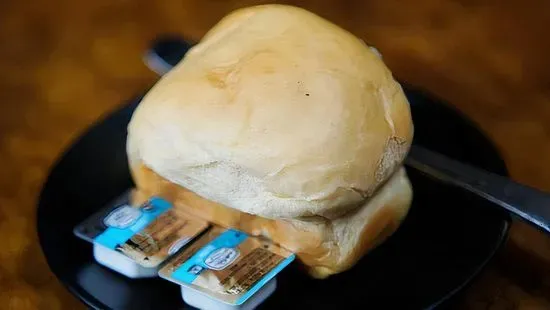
(121, 263)
(135, 241)
(227, 269)
(203, 301)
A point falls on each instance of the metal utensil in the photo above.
(529, 204)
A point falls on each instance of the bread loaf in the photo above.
(282, 124)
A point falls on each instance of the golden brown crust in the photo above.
(324, 246)
(282, 124)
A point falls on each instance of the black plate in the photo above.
(447, 238)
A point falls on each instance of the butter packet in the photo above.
(147, 234)
(227, 265)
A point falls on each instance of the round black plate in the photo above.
(445, 241)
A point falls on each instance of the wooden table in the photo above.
(65, 63)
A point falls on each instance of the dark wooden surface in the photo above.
(64, 63)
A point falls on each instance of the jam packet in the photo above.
(147, 234)
(226, 265)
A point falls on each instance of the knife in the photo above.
(529, 204)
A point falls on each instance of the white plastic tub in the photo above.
(122, 264)
(202, 301)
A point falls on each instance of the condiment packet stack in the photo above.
(217, 268)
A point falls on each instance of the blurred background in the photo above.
(64, 64)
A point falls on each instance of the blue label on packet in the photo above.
(147, 234)
(125, 221)
(216, 255)
(242, 265)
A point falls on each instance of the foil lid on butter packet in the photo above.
(227, 265)
(148, 234)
